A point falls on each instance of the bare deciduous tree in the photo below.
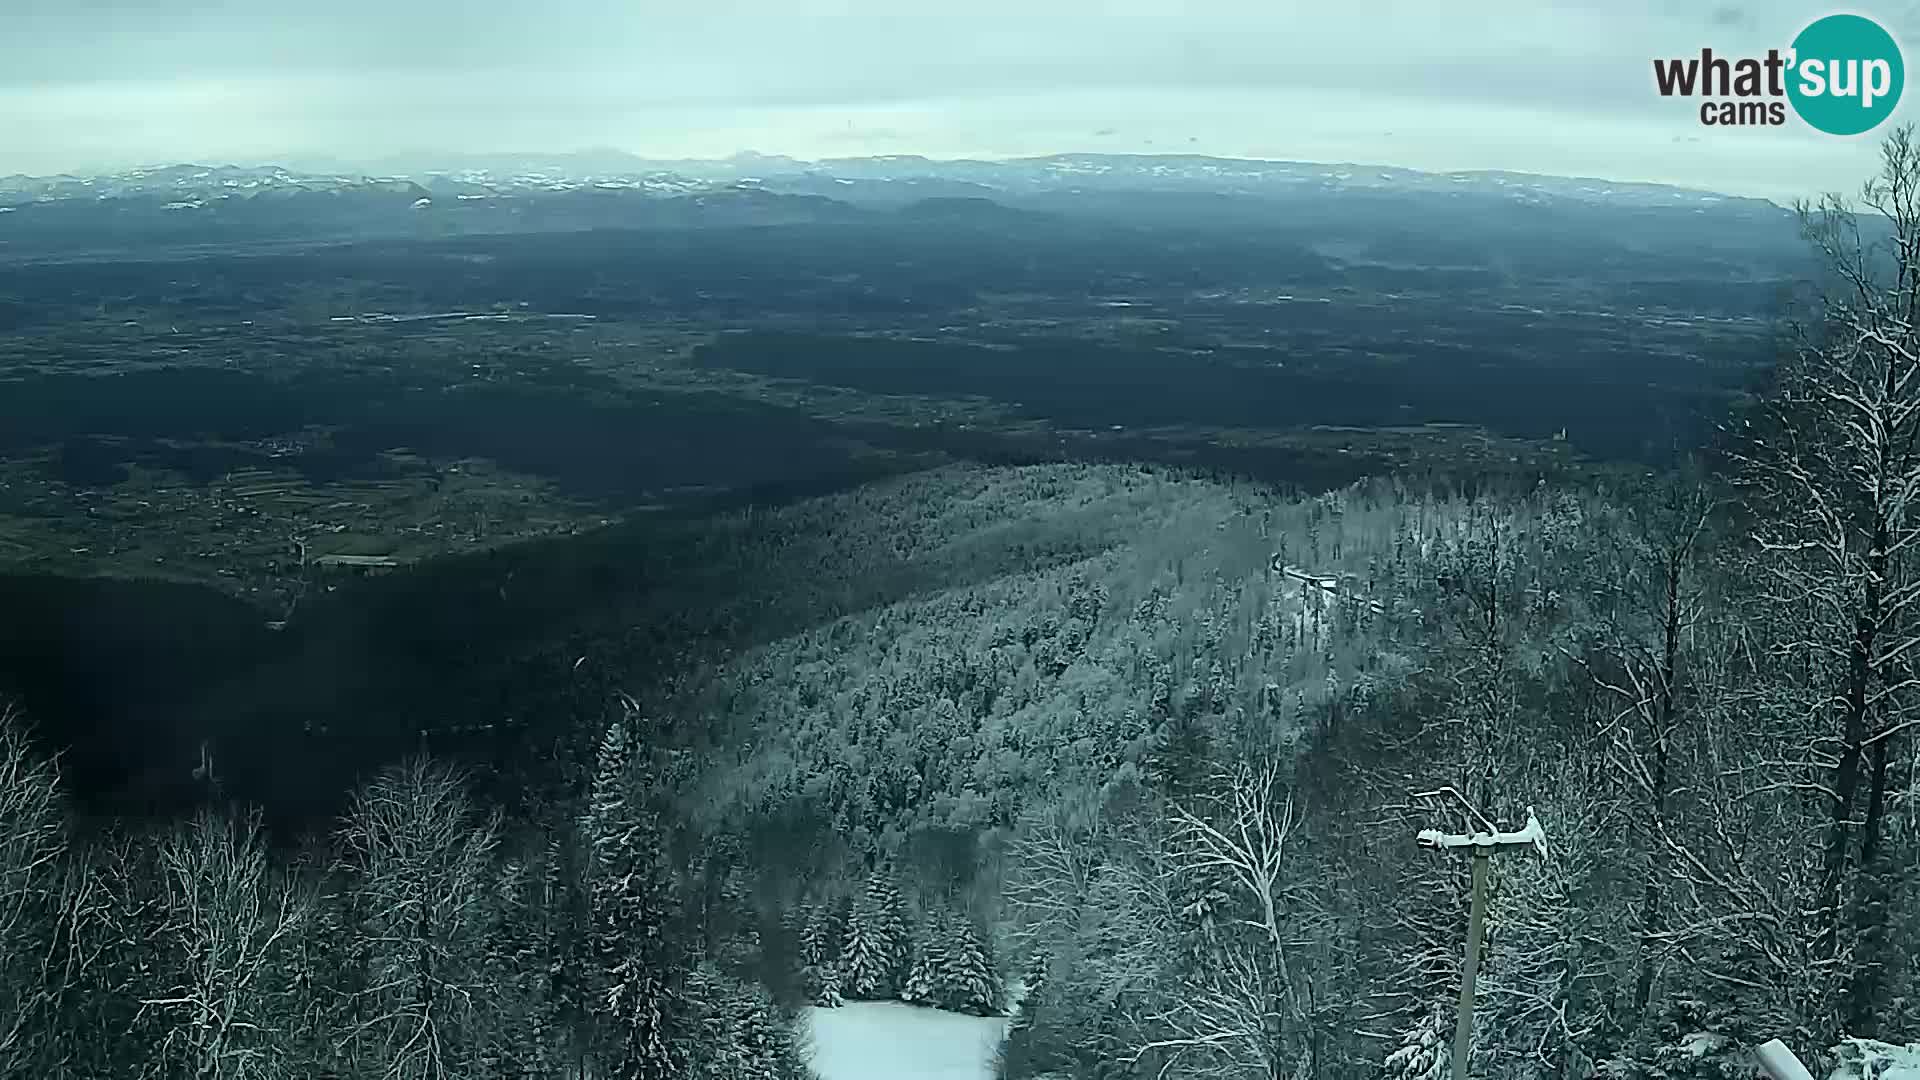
(31, 845)
(1742, 845)
(1251, 1012)
(228, 921)
(1649, 600)
(1836, 468)
(1053, 865)
(421, 862)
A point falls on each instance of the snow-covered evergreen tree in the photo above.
(637, 963)
(1424, 1050)
(876, 949)
(1691, 1038)
(1033, 984)
(738, 1033)
(966, 980)
(566, 945)
(820, 978)
(821, 984)
(929, 958)
(739, 950)
(522, 1035)
(862, 952)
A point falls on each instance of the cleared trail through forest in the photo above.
(1329, 584)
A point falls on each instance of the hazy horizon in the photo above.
(1560, 89)
(423, 161)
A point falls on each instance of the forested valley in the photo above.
(1140, 787)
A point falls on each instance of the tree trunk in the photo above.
(1846, 785)
(1652, 910)
(1870, 915)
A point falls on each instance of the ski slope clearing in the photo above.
(885, 1040)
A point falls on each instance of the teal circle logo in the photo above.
(1847, 74)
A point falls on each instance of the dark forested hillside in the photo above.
(1056, 756)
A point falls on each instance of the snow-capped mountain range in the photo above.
(481, 176)
(1449, 217)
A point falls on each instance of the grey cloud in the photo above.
(601, 51)
(1520, 84)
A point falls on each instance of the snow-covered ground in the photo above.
(885, 1040)
(1868, 1060)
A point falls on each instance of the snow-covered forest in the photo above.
(1136, 784)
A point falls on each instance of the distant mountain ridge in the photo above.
(1376, 214)
(484, 174)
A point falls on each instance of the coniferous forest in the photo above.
(1138, 758)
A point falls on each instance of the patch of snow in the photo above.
(1868, 1059)
(1700, 1044)
(885, 1040)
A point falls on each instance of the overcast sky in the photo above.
(1554, 86)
